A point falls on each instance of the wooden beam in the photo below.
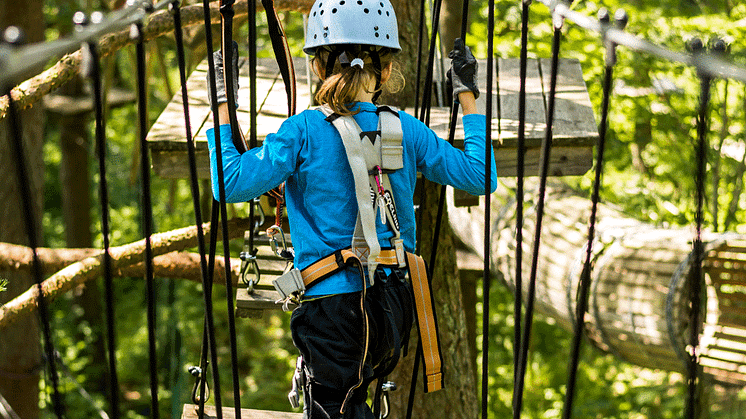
(191, 412)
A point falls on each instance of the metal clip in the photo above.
(298, 382)
(286, 253)
(197, 373)
(248, 258)
(386, 387)
(262, 217)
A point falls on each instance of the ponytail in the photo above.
(344, 81)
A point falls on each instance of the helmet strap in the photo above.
(330, 60)
(377, 71)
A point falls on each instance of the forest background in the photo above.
(649, 172)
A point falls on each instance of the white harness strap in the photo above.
(369, 161)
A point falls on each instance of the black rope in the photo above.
(420, 40)
(695, 280)
(147, 217)
(226, 10)
(29, 219)
(486, 277)
(95, 75)
(215, 218)
(208, 330)
(424, 115)
(520, 175)
(546, 146)
(585, 275)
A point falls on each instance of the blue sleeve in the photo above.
(258, 170)
(442, 163)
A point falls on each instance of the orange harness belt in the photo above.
(426, 321)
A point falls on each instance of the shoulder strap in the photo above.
(350, 132)
(391, 138)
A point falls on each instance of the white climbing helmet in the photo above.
(360, 22)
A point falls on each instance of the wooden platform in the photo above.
(191, 412)
(574, 129)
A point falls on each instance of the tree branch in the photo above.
(91, 267)
(161, 23)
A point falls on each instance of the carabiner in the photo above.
(285, 253)
(262, 217)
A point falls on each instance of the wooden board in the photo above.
(191, 412)
(574, 126)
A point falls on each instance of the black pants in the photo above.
(329, 333)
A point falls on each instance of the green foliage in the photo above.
(648, 171)
(3, 284)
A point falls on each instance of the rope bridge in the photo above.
(725, 266)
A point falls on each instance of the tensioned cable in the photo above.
(100, 132)
(209, 328)
(217, 208)
(424, 115)
(696, 276)
(585, 276)
(420, 36)
(520, 197)
(29, 219)
(546, 146)
(147, 216)
(226, 10)
(486, 277)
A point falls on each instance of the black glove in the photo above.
(220, 78)
(463, 72)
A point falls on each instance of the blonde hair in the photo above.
(340, 88)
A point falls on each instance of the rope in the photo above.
(208, 330)
(29, 219)
(486, 278)
(147, 217)
(226, 10)
(520, 174)
(585, 276)
(214, 219)
(692, 406)
(95, 76)
(544, 170)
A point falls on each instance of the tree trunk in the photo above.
(20, 352)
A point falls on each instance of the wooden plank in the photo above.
(509, 83)
(191, 412)
(571, 155)
(573, 113)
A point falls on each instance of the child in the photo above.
(354, 318)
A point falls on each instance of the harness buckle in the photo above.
(288, 285)
(401, 256)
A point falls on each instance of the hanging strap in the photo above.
(282, 53)
(427, 323)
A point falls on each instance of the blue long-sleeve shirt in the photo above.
(308, 154)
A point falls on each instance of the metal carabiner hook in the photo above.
(285, 253)
(249, 260)
(262, 217)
